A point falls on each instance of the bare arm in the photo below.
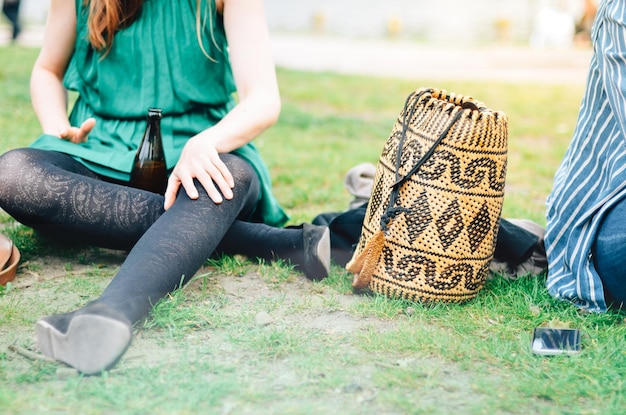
(255, 76)
(258, 107)
(48, 95)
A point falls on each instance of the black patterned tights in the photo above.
(61, 198)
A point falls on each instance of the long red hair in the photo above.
(106, 17)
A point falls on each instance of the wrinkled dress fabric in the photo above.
(157, 61)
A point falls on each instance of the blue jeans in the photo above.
(609, 253)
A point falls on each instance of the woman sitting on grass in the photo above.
(187, 57)
(586, 218)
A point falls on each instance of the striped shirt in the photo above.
(592, 176)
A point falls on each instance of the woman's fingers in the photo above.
(87, 126)
(173, 184)
(82, 133)
(212, 174)
(78, 134)
(221, 176)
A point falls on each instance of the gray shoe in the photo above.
(316, 251)
(91, 339)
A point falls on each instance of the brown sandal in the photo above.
(6, 249)
(9, 258)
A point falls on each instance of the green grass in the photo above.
(341, 121)
(327, 351)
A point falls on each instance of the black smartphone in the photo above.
(550, 341)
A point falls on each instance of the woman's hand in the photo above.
(200, 160)
(258, 107)
(77, 134)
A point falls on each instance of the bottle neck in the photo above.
(154, 121)
(155, 113)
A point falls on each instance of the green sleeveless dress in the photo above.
(157, 61)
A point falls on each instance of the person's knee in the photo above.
(247, 183)
(11, 164)
(243, 173)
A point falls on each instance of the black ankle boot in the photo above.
(91, 339)
(316, 261)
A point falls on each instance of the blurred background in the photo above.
(528, 58)
(536, 23)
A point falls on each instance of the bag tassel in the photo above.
(365, 264)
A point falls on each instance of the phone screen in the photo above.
(549, 341)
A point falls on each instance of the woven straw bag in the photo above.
(430, 227)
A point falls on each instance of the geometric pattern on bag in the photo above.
(431, 224)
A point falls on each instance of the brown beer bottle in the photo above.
(149, 170)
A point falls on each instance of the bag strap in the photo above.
(392, 211)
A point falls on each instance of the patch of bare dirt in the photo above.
(299, 303)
